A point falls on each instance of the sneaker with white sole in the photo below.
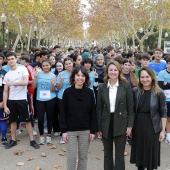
(56, 133)
(167, 141)
(41, 140)
(48, 140)
(62, 141)
(34, 132)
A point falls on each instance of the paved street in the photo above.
(54, 156)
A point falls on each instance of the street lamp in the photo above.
(58, 39)
(35, 32)
(3, 20)
(141, 30)
(7, 33)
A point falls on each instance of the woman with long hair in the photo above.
(115, 115)
(63, 83)
(149, 123)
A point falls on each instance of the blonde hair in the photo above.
(121, 78)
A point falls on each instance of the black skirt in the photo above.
(145, 149)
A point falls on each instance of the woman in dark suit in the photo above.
(149, 123)
(115, 115)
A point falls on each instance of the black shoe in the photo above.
(11, 144)
(4, 141)
(34, 144)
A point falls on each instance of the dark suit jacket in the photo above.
(124, 112)
(158, 108)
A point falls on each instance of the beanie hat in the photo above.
(85, 55)
(99, 55)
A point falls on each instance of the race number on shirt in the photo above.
(167, 93)
(45, 94)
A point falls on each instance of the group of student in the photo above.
(81, 95)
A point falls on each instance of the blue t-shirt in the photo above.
(92, 79)
(164, 76)
(157, 67)
(66, 83)
(44, 86)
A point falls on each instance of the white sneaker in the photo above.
(48, 139)
(41, 140)
(45, 130)
(18, 132)
(62, 141)
(34, 132)
(57, 134)
(167, 141)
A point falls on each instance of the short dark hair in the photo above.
(26, 58)
(2, 55)
(46, 60)
(87, 60)
(129, 54)
(11, 54)
(145, 56)
(158, 49)
(57, 46)
(43, 52)
(84, 72)
(167, 59)
(70, 48)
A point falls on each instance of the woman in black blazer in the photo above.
(115, 115)
(149, 123)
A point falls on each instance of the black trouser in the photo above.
(47, 107)
(120, 142)
(56, 126)
(141, 168)
(59, 109)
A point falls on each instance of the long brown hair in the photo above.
(121, 78)
(154, 86)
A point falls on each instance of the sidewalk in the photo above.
(55, 159)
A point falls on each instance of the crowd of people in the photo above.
(79, 94)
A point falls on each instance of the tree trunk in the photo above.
(141, 45)
(29, 38)
(16, 42)
(160, 35)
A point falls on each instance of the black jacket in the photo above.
(158, 108)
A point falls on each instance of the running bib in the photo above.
(45, 94)
(167, 93)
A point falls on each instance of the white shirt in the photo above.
(16, 92)
(112, 95)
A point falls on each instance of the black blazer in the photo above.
(158, 108)
(124, 113)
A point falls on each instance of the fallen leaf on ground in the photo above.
(53, 147)
(18, 152)
(63, 149)
(18, 140)
(37, 168)
(31, 158)
(20, 163)
(97, 158)
(57, 166)
(43, 154)
(61, 154)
